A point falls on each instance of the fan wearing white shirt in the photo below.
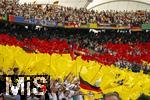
(52, 94)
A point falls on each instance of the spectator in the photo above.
(1, 97)
(112, 96)
(60, 14)
(32, 97)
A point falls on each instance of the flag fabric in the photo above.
(4, 17)
(93, 25)
(59, 66)
(87, 86)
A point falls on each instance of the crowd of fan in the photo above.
(54, 89)
(83, 16)
(95, 42)
(67, 89)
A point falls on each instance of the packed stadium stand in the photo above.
(74, 50)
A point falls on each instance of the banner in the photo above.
(31, 21)
(53, 23)
(49, 23)
(4, 17)
(93, 25)
(136, 28)
(11, 18)
(37, 21)
(26, 20)
(145, 26)
(121, 27)
(103, 27)
(83, 25)
(0, 17)
(19, 19)
(72, 25)
(60, 24)
(44, 22)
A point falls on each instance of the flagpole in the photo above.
(96, 73)
(95, 76)
(80, 70)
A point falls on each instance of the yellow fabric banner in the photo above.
(93, 25)
(128, 84)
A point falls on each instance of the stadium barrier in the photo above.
(52, 23)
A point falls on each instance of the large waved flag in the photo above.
(87, 86)
(128, 84)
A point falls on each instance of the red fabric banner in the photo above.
(11, 18)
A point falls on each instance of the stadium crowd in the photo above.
(83, 16)
(53, 89)
(123, 49)
(108, 47)
(58, 89)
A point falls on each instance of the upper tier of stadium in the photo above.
(94, 16)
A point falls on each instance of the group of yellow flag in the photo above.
(128, 84)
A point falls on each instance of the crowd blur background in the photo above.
(114, 34)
